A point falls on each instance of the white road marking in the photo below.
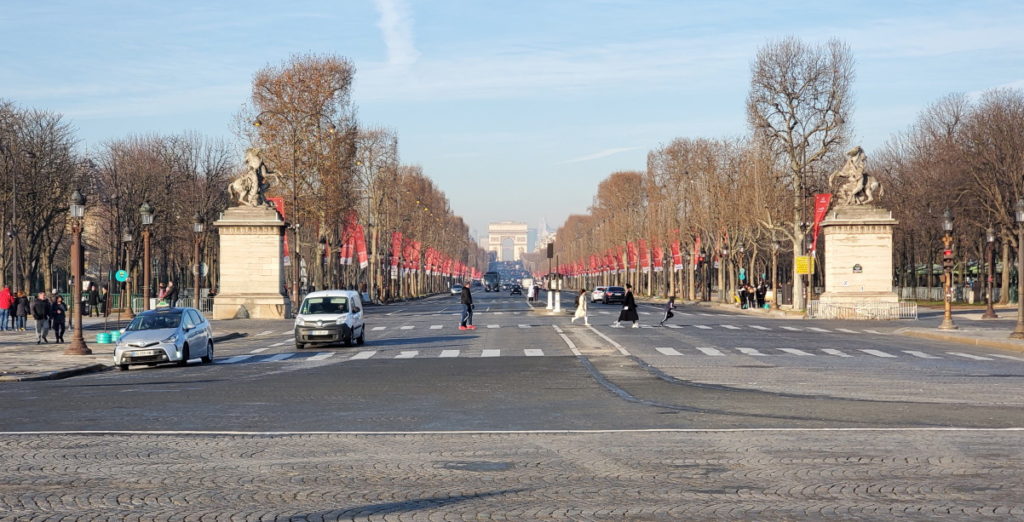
(265, 333)
(235, 359)
(921, 355)
(844, 330)
(1010, 357)
(363, 355)
(258, 350)
(702, 327)
(610, 341)
(569, 343)
(969, 356)
(378, 328)
(876, 332)
(762, 328)
(790, 328)
(533, 352)
(710, 351)
(449, 353)
(526, 326)
(603, 312)
(321, 356)
(676, 326)
(794, 351)
(730, 327)
(407, 354)
(490, 353)
(393, 313)
(668, 351)
(494, 326)
(837, 353)
(282, 343)
(822, 330)
(278, 357)
(645, 313)
(408, 327)
(879, 353)
(435, 327)
(684, 313)
(750, 351)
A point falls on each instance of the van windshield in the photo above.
(324, 305)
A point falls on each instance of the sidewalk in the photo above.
(988, 337)
(21, 359)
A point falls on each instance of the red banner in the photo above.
(658, 255)
(396, 248)
(278, 203)
(677, 256)
(645, 258)
(821, 203)
(632, 255)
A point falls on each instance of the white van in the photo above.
(330, 316)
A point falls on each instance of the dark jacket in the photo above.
(41, 309)
(94, 297)
(629, 312)
(172, 294)
(21, 306)
(58, 313)
(467, 298)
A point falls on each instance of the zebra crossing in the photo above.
(293, 357)
(407, 327)
(712, 351)
(761, 328)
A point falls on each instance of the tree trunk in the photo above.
(798, 248)
(1004, 283)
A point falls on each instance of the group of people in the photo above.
(167, 294)
(48, 313)
(96, 302)
(628, 312)
(751, 296)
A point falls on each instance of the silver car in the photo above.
(165, 335)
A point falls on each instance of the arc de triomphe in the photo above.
(501, 232)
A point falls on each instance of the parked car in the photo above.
(456, 289)
(516, 290)
(330, 316)
(597, 294)
(614, 294)
(165, 335)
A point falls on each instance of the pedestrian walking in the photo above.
(530, 294)
(104, 301)
(760, 293)
(172, 294)
(21, 306)
(628, 312)
(669, 306)
(581, 308)
(41, 313)
(467, 311)
(94, 300)
(58, 317)
(6, 301)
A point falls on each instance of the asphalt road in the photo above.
(525, 379)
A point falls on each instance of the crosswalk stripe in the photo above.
(730, 327)
(282, 343)
(1010, 357)
(498, 313)
(278, 357)
(378, 328)
(363, 355)
(408, 327)
(750, 351)
(321, 356)
(969, 356)
(494, 326)
(265, 332)
(921, 355)
(876, 332)
(709, 351)
(449, 353)
(837, 353)
(235, 359)
(668, 351)
(490, 353)
(533, 352)
(844, 330)
(258, 350)
(822, 330)
(684, 313)
(878, 353)
(702, 326)
(407, 354)
(673, 326)
(790, 328)
(762, 328)
(526, 326)
(794, 351)
(435, 327)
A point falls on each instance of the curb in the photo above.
(776, 314)
(1015, 346)
(57, 374)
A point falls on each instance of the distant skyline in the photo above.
(516, 109)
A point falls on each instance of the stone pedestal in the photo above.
(858, 265)
(251, 265)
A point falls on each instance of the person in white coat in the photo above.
(530, 294)
(581, 308)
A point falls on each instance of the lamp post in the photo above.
(990, 242)
(126, 239)
(723, 271)
(77, 211)
(146, 212)
(775, 274)
(947, 269)
(1018, 332)
(197, 227)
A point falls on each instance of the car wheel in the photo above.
(362, 336)
(209, 353)
(299, 346)
(122, 367)
(184, 356)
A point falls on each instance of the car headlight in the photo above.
(170, 339)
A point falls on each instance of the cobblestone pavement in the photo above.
(662, 475)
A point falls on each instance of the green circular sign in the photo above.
(121, 275)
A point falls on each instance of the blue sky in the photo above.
(517, 109)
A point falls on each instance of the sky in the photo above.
(517, 109)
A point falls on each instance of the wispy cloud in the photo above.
(597, 155)
(396, 27)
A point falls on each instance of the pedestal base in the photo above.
(265, 306)
(251, 267)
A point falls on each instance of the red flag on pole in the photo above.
(645, 258)
(677, 256)
(658, 255)
(821, 202)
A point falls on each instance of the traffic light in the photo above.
(551, 250)
(947, 258)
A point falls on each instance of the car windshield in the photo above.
(155, 321)
(616, 289)
(324, 305)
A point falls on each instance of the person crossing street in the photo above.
(628, 312)
(669, 306)
(467, 312)
(581, 308)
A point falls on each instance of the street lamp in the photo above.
(126, 239)
(775, 274)
(1018, 332)
(197, 227)
(724, 273)
(146, 213)
(77, 211)
(947, 268)
(990, 243)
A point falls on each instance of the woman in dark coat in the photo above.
(21, 310)
(58, 316)
(628, 312)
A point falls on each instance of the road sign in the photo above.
(803, 265)
(121, 275)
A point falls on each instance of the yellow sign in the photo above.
(804, 265)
